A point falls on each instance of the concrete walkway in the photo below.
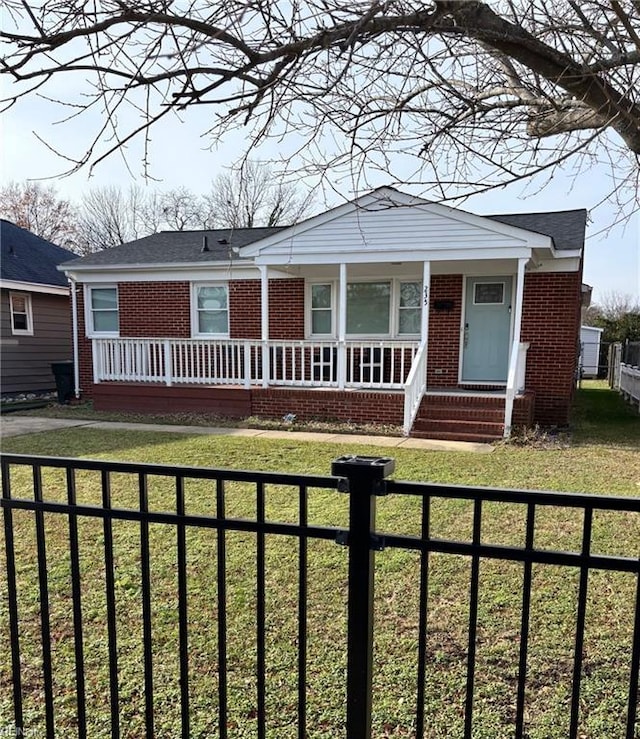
(12, 425)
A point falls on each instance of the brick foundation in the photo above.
(329, 405)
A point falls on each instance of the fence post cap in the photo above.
(370, 468)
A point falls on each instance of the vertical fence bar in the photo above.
(473, 620)
(76, 595)
(260, 612)
(45, 620)
(145, 572)
(364, 476)
(222, 613)
(580, 621)
(524, 623)
(109, 577)
(302, 615)
(12, 598)
(422, 624)
(632, 706)
(182, 609)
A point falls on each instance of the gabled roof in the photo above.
(177, 247)
(565, 228)
(25, 257)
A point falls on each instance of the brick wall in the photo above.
(286, 309)
(550, 322)
(154, 309)
(444, 332)
(361, 407)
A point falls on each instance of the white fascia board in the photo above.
(379, 196)
(160, 267)
(592, 328)
(175, 274)
(560, 265)
(387, 257)
(34, 287)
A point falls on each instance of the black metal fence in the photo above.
(631, 353)
(52, 495)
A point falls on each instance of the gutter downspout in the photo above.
(74, 322)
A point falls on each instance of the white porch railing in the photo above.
(630, 383)
(173, 361)
(415, 388)
(515, 380)
(364, 364)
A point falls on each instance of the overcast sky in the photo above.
(180, 156)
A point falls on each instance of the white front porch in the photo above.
(386, 365)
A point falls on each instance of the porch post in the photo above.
(514, 354)
(264, 315)
(426, 295)
(342, 326)
(517, 317)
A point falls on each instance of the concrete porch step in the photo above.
(456, 436)
(467, 426)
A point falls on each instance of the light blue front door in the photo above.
(487, 329)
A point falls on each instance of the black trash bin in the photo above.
(63, 372)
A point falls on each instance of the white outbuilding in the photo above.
(589, 350)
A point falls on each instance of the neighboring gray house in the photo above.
(36, 315)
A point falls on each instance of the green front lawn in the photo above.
(603, 457)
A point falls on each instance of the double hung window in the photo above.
(211, 310)
(103, 303)
(21, 314)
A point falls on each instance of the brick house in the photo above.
(387, 309)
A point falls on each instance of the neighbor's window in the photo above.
(409, 309)
(321, 319)
(104, 310)
(212, 308)
(368, 307)
(21, 315)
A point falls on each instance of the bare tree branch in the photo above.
(462, 86)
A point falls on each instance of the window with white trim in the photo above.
(103, 304)
(369, 308)
(321, 309)
(211, 310)
(21, 314)
(374, 308)
(409, 308)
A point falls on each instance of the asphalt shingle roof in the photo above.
(566, 228)
(174, 247)
(25, 257)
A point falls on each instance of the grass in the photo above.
(602, 457)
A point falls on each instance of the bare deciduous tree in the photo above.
(475, 94)
(253, 196)
(108, 217)
(38, 208)
(612, 306)
(181, 210)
